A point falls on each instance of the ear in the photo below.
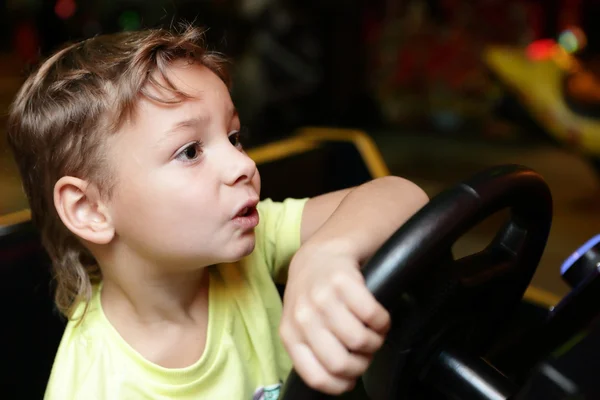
(81, 209)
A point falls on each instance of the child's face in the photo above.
(182, 177)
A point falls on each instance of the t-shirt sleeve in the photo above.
(278, 234)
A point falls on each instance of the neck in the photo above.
(142, 289)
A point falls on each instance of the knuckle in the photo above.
(303, 314)
(339, 365)
(371, 312)
(284, 333)
(359, 341)
(322, 297)
(339, 281)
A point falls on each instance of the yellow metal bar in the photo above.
(281, 149)
(541, 297)
(310, 138)
(15, 218)
(363, 143)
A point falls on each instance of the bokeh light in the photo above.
(65, 9)
(572, 40)
(129, 21)
(542, 49)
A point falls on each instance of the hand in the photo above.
(331, 323)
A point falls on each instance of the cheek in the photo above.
(169, 205)
(164, 224)
(256, 182)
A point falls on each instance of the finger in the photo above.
(315, 375)
(362, 303)
(330, 352)
(333, 355)
(350, 330)
(346, 326)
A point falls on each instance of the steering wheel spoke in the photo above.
(480, 269)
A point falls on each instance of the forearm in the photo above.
(369, 215)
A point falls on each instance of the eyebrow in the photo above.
(197, 121)
(188, 123)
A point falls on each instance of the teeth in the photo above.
(244, 211)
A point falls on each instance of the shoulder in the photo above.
(275, 216)
(270, 207)
(81, 347)
(278, 234)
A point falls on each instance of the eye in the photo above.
(190, 152)
(236, 138)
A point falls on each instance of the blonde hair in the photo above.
(61, 116)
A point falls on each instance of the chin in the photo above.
(243, 248)
(249, 246)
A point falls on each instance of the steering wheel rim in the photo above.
(411, 252)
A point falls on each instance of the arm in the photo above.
(361, 219)
(331, 324)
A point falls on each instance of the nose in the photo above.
(238, 167)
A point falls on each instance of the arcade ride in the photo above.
(449, 316)
(464, 329)
(556, 90)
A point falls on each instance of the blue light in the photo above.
(578, 253)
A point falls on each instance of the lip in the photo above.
(249, 221)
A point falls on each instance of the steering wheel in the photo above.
(447, 313)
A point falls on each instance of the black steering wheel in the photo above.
(447, 313)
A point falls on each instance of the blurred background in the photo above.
(445, 87)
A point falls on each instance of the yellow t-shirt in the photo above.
(243, 358)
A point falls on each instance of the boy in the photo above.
(130, 155)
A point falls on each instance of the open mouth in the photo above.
(246, 212)
(247, 218)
